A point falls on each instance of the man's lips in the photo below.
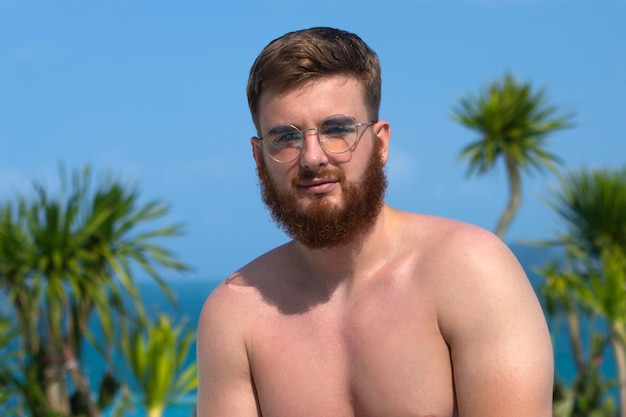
(318, 185)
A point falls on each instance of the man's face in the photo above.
(323, 200)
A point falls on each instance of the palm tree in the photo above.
(513, 122)
(592, 207)
(79, 252)
(21, 371)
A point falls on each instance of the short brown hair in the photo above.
(311, 53)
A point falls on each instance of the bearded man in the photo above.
(369, 311)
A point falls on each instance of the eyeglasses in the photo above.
(336, 134)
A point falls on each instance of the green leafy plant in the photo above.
(68, 257)
(592, 279)
(157, 353)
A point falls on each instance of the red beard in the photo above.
(323, 225)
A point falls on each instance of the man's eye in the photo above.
(338, 130)
(287, 139)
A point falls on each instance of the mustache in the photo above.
(320, 174)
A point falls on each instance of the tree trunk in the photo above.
(576, 340)
(73, 343)
(82, 388)
(515, 198)
(618, 342)
(56, 393)
(57, 398)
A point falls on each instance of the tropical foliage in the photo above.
(158, 357)
(591, 281)
(586, 395)
(8, 357)
(513, 122)
(67, 259)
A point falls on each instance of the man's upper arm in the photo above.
(225, 386)
(500, 345)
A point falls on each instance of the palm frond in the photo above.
(512, 120)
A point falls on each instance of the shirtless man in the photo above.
(368, 311)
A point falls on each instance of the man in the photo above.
(369, 311)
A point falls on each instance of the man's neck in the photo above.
(347, 264)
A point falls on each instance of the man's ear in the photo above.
(257, 150)
(382, 130)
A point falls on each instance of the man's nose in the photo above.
(313, 156)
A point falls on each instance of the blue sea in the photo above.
(192, 293)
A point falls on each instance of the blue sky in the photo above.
(154, 92)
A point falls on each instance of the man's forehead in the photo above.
(274, 93)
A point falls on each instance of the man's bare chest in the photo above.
(373, 360)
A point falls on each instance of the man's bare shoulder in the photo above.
(448, 242)
(453, 255)
(473, 273)
(468, 252)
(489, 316)
(248, 288)
(227, 320)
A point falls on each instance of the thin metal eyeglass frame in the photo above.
(319, 139)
